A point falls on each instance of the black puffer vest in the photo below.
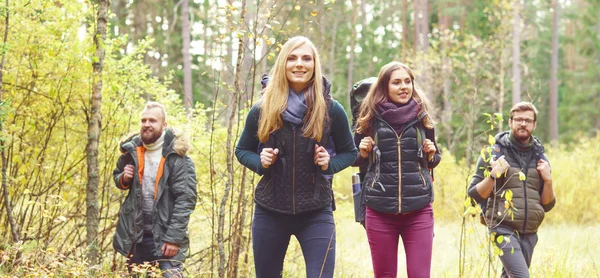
(528, 213)
(397, 189)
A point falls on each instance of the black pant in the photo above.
(271, 233)
(516, 264)
(143, 252)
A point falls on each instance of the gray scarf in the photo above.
(296, 108)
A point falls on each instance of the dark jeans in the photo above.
(516, 264)
(143, 253)
(271, 233)
(384, 231)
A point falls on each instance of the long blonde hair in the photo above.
(378, 93)
(274, 100)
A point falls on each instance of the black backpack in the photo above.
(357, 95)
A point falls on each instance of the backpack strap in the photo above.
(421, 136)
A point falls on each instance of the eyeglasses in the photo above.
(523, 120)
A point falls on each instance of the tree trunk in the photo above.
(554, 76)
(421, 25)
(187, 58)
(404, 28)
(352, 45)
(7, 205)
(448, 109)
(421, 9)
(332, 50)
(229, 146)
(516, 55)
(94, 128)
(501, 81)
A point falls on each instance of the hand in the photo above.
(499, 167)
(544, 169)
(366, 146)
(429, 148)
(321, 157)
(128, 173)
(169, 250)
(268, 156)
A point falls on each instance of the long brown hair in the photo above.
(274, 100)
(378, 93)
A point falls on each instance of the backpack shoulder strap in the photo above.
(497, 151)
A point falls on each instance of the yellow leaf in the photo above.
(498, 175)
(297, 8)
(314, 13)
(26, 191)
(509, 195)
(522, 176)
(491, 140)
(500, 239)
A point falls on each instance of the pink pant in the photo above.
(416, 230)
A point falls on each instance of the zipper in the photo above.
(399, 173)
(526, 211)
(398, 137)
(421, 173)
(294, 171)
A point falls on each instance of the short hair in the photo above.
(522, 107)
(154, 104)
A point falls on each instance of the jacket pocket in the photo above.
(125, 231)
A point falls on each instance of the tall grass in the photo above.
(567, 247)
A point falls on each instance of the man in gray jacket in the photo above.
(521, 167)
(160, 181)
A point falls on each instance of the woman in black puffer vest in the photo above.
(395, 137)
(286, 140)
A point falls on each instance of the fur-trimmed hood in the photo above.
(175, 141)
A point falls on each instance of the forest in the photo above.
(75, 75)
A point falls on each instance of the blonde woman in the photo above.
(288, 139)
(395, 136)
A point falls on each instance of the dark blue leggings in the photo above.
(271, 233)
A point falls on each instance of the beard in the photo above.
(522, 134)
(150, 135)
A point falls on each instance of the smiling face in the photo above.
(299, 68)
(400, 87)
(152, 125)
(522, 124)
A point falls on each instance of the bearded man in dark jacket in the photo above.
(161, 183)
(523, 168)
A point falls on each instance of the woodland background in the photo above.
(74, 75)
